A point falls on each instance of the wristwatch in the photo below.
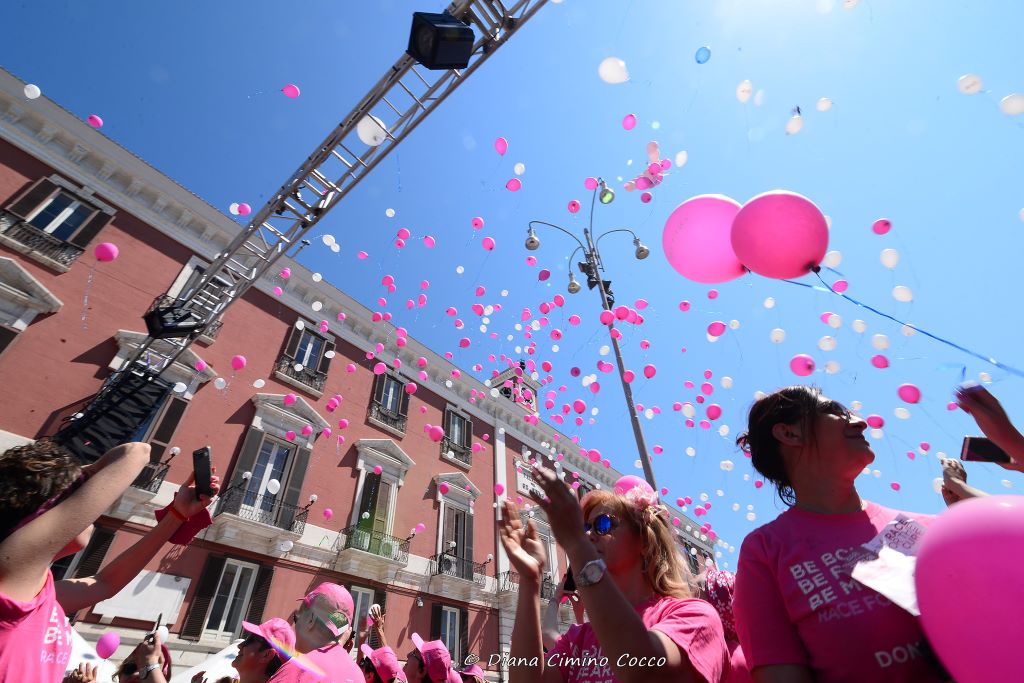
(149, 668)
(591, 573)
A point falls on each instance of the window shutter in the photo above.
(35, 195)
(202, 597)
(247, 455)
(325, 362)
(7, 335)
(368, 502)
(447, 421)
(463, 636)
(435, 621)
(92, 556)
(403, 406)
(260, 590)
(379, 382)
(467, 433)
(164, 430)
(93, 225)
(292, 345)
(295, 479)
(467, 553)
(449, 528)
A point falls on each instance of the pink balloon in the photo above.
(436, 433)
(758, 484)
(379, 368)
(840, 286)
(607, 317)
(429, 242)
(107, 644)
(574, 206)
(780, 234)
(629, 122)
(514, 185)
(875, 421)
(289, 435)
(106, 252)
(895, 486)
(880, 361)
(629, 376)
(646, 197)
(362, 256)
(684, 306)
(909, 393)
(420, 528)
(650, 371)
(244, 209)
(328, 513)
(404, 234)
(992, 591)
(307, 430)
(716, 329)
(464, 342)
(501, 146)
(629, 482)
(238, 362)
(801, 365)
(410, 388)
(200, 365)
(499, 489)
(697, 239)
(290, 91)
(714, 411)
(487, 243)
(579, 406)
(881, 226)
(96, 122)
(712, 294)
(477, 223)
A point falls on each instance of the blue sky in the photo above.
(194, 88)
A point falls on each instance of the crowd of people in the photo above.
(792, 613)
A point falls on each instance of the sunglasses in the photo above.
(602, 525)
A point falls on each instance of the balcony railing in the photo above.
(265, 509)
(457, 451)
(387, 417)
(151, 476)
(311, 377)
(459, 567)
(212, 329)
(509, 581)
(376, 542)
(45, 244)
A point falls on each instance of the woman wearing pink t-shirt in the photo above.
(801, 618)
(644, 623)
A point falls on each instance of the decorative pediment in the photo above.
(459, 486)
(18, 285)
(297, 414)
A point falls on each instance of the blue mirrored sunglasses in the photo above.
(602, 525)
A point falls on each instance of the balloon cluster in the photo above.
(653, 175)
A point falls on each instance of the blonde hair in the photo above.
(664, 566)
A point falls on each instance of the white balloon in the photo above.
(604, 350)
(726, 382)
(689, 410)
(273, 486)
(902, 293)
(233, 209)
(328, 240)
(259, 384)
(317, 306)
(1012, 105)
(519, 168)
(744, 91)
(794, 125)
(833, 259)
(681, 158)
(850, 4)
(390, 213)
(969, 84)
(286, 546)
(300, 325)
(180, 387)
(824, 104)
(690, 451)
(32, 91)
(723, 430)
(220, 383)
(727, 465)
(902, 413)
(859, 326)
(335, 247)
(890, 258)
(162, 633)
(827, 343)
(984, 377)
(734, 324)
(877, 433)
(778, 335)
(855, 405)
(759, 98)
(613, 70)
(770, 301)
(832, 367)
(371, 131)
(880, 342)
(835, 321)
(1007, 483)
(908, 330)
(751, 516)
(1021, 214)
(460, 270)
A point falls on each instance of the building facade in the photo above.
(327, 466)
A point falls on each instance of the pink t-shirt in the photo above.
(692, 624)
(797, 604)
(331, 664)
(35, 638)
(739, 672)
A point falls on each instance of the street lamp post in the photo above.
(592, 267)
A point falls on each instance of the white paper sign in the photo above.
(146, 597)
(890, 568)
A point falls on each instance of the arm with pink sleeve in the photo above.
(696, 628)
(766, 633)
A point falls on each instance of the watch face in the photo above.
(592, 573)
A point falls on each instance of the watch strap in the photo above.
(583, 578)
(148, 669)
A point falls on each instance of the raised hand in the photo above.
(525, 550)
(187, 502)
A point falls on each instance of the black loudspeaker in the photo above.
(440, 41)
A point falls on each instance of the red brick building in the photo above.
(66, 321)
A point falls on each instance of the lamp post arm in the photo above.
(552, 225)
(605, 234)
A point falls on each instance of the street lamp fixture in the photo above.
(532, 241)
(605, 194)
(574, 287)
(642, 251)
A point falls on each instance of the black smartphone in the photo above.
(570, 582)
(980, 449)
(201, 467)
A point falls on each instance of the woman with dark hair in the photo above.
(645, 623)
(801, 618)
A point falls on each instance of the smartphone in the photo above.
(201, 467)
(570, 582)
(980, 449)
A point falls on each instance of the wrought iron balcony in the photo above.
(35, 240)
(375, 542)
(387, 417)
(151, 476)
(459, 567)
(509, 581)
(456, 451)
(264, 509)
(212, 329)
(311, 377)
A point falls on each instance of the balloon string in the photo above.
(85, 297)
(947, 342)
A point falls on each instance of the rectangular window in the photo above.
(261, 496)
(458, 428)
(450, 631)
(391, 398)
(7, 335)
(363, 598)
(310, 348)
(61, 216)
(231, 598)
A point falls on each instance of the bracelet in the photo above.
(149, 668)
(180, 517)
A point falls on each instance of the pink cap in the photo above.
(333, 604)
(436, 660)
(384, 661)
(473, 670)
(278, 633)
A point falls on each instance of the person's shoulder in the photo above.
(682, 607)
(883, 515)
(766, 535)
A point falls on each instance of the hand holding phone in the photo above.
(980, 449)
(569, 586)
(203, 473)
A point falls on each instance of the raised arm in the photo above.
(994, 422)
(26, 554)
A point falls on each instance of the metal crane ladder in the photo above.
(400, 101)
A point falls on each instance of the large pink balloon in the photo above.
(630, 482)
(780, 234)
(501, 146)
(974, 635)
(697, 239)
(106, 252)
(107, 644)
